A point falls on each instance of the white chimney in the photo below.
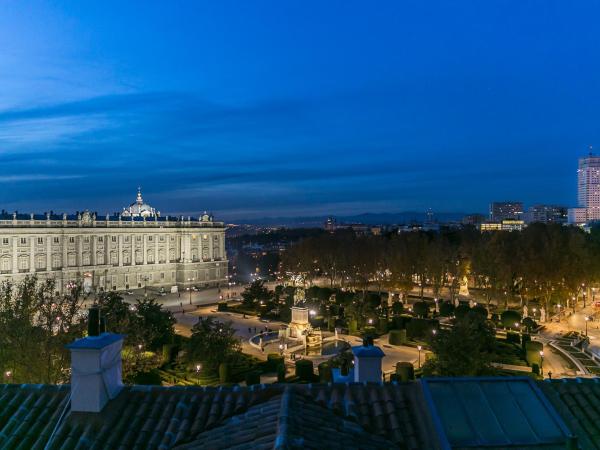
(367, 362)
(95, 368)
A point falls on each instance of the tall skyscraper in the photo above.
(500, 211)
(588, 191)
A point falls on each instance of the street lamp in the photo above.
(542, 363)
(587, 318)
(281, 349)
(419, 348)
(198, 367)
(190, 289)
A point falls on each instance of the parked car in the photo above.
(128, 292)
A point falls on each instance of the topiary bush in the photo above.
(252, 377)
(461, 310)
(382, 326)
(222, 306)
(324, 372)
(223, 373)
(529, 324)
(446, 309)
(369, 331)
(273, 360)
(513, 337)
(152, 377)
(399, 322)
(481, 310)
(421, 309)
(304, 369)
(532, 352)
(281, 372)
(352, 326)
(397, 337)
(397, 308)
(420, 328)
(510, 318)
(405, 371)
(535, 368)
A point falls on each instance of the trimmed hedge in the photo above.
(509, 318)
(397, 308)
(397, 337)
(421, 309)
(281, 372)
(532, 352)
(513, 337)
(461, 310)
(273, 360)
(405, 371)
(324, 372)
(304, 369)
(481, 310)
(420, 328)
(252, 377)
(223, 373)
(222, 306)
(446, 309)
(352, 326)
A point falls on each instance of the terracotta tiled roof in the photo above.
(405, 415)
(144, 417)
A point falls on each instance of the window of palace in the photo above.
(72, 240)
(5, 264)
(56, 240)
(23, 241)
(56, 261)
(5, 241)
(23, 262)
(40, 240)
(71, 260)
(40, 262)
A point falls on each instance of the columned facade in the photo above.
(113, 252)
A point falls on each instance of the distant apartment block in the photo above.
(546, 214)
(500, 211)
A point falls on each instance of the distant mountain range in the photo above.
(367, 218)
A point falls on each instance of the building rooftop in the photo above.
(460, 413)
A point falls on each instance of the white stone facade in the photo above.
(113, 252)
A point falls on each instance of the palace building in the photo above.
(133, 249)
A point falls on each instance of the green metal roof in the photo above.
(493, 413)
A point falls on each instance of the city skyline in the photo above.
(266, 110)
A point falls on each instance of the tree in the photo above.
(36, 324)
(152, 325)
(466, 349)
(255, 293)
(212, 343)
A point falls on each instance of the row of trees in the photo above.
(547, 263)
(37, 323)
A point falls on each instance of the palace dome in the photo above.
(139, 208)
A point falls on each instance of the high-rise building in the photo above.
(500, 211)
(546, 214)
(588, 191)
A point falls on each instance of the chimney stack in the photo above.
(367, 362)
(95, 366)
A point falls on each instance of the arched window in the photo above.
(161, 256)
(99, 258)
(171, 254)
(150, 256)
(114, 258)
(6, 264)
(23, 262)
(86, 259)
(139, 257)
(56, 261)
(126, 257)
(71, 260)
(40, 262)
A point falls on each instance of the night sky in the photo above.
(295, 108)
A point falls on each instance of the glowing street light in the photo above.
(587, 319)
(198, 368)
(542, 363)
(419, 348)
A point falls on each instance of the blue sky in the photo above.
(271, 108)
